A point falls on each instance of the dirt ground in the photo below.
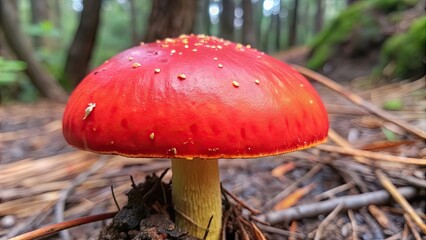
(44, 181)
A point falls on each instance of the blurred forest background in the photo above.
(48, 46)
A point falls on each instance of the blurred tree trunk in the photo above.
(202, 18)
(39, 14)
(20, 45)
(56, 12)
(249, 35)
(258, 17)
(273, 34)
(278, 30)
(293, 25)
(227, 20)
(133, 21)
(80, 52)
(170, 18)
(319, 16)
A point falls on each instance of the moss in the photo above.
(406, 51)
(357, 25)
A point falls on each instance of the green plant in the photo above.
(9, 70)
(406, 51)
(357, 25)
(13, 84)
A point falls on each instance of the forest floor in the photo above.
(350, 179)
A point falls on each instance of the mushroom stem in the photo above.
(197, 196)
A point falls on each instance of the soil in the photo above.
(147, 215)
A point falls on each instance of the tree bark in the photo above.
(170, 18)
(227, 20)
(55, 14)
(19, 43)
(202, 18)
(39, 13)
(249, 36)
(133, 21)
(293, 25)
(80, 52)
(319, 16)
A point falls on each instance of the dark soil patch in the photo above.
(149, 215)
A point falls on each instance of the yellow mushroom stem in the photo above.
(197, 196)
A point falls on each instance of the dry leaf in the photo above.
(282, 169)
(293, 230)
(379, 215)
(293, 198)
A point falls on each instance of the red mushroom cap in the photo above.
(194, 97)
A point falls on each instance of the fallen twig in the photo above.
(411, 226)
(335, 137)
(326, 221)
(334, 191)
(381, 218)
(359, 100)
(31, 222)
(241, 202)
(282, 232)
(353, 224)
(314, 170)
(324, 207)
(259, 235)
(375, 229)
(371, 155)
(54, 228)
(400, 199)
(60, 206)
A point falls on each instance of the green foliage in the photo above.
(114, 31)
(406, 51)
(393, 104)
(13, 84)
(356, 24)
(9, 69)
(389, 135)
(43, 29)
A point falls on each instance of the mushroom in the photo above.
(194, 99)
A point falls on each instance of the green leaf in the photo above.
(393, 104)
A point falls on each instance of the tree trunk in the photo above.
(55, 14)
(170, 18)
(39, 13)
(293, 25)
(19, 44)
(319, 16)
(249, 36)
(133, 21)
(202, 18)
(80, 52)
(227, 20)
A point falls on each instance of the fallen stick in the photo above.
(324, 207)
(292, 187)
(359, 100)
(400, 199)
(60, 205)
(372, 155)
(54, 228)
(326, 221)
